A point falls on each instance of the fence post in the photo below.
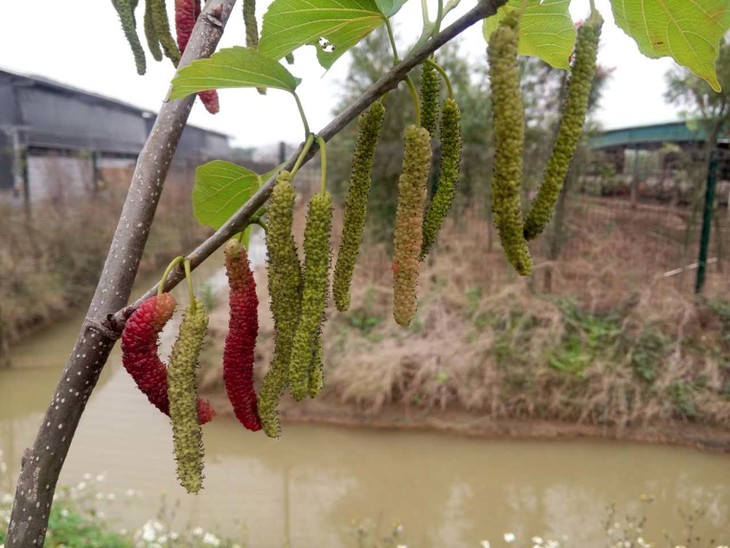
(706, 222)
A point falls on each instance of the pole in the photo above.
(706, 222)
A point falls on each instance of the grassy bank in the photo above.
(51, 260)
(614, 345)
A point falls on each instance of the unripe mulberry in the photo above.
(408, 236)
(249, 21)
(139, 353)
(316, 369)
(317, 252)
(571, 127)
(442, 199)
(162, 28)
(356, 202)
(153, 42)
(243, 328)
(285, 290)
(509, 135)
(430, 85)
(125, 10)
(182, 388)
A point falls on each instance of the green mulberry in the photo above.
(448, 177)
(316, 369)
(125, 10)
(317, 253)
(509, 135)
(571, 126)
(182, 394)
(285, 290)
(162, 29)
(153, 41)
(249, 21)
(408, 235)
(356, 203)
(430, 86)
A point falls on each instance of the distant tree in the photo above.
(709, 108)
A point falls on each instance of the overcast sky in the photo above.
(81, 44)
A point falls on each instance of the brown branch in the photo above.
(42, 464)
(386, 82)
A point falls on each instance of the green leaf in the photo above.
(390, 7)
(687, 30)
(332, 26)
(221, 188)
(234, 67)
(546, 30)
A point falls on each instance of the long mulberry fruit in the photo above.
(408, 235)
(182, 393)
(139, 353)
(243, 328)
(162, 28)
(186, 13)
(571, 126)
(509, 136)
(153, 41)
(442, 199)
(430, 85)
(125, 10)
(249, 21)
(285, 290)
(356, 202)
(317, 253)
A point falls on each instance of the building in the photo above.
(47, 127)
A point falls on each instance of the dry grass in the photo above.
(612, 345)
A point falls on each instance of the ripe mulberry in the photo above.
(408, 236)
(571, 126)
(139, 353)
(509, 136)
(182, 394)
(317, 253)
(356, 202)
(285, 290)
(442, 199)
(243, 328)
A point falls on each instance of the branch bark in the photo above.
(388, 81)
(42, 464)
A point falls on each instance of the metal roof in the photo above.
(655, 134)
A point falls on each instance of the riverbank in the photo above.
(613, 351)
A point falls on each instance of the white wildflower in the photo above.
(509, 538)
(111, 496)
(86, 477)
(485, 544)
(100, 478)
(211, 539)
(537, 540)
(198, 532)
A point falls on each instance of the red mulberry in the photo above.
(243, 327)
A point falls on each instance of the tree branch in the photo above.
(388, 81)
(42, 464)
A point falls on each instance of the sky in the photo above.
(81, 44)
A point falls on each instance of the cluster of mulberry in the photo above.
(140, 358)
(509, 139)
(571, 126)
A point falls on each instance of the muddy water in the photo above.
(308, 488)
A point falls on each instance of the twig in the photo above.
(386, 82)
(42, 464)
